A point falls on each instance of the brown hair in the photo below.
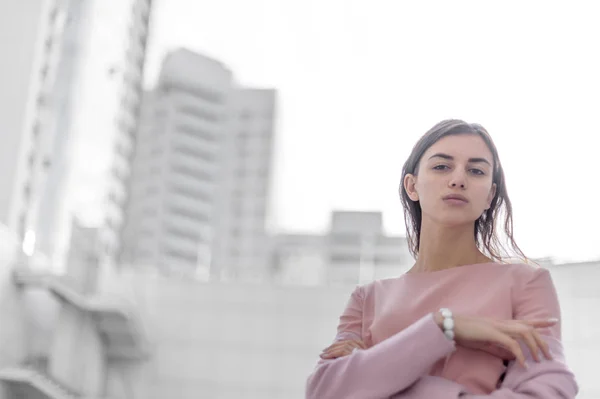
(485, 230)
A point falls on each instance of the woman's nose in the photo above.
(458, 180)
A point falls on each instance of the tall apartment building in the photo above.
(69, 150)
(201, 171)
(28, 74)
(355, 250)
(175, 169)
(241, 245)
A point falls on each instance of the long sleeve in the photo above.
(549, 379)
(382, 370)
(536, 298)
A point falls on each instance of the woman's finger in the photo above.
(333, 354)
(358, 345)
(337, 351)
(335, 345)
(531, 343)
(338, 344)
(521, 332)
(540, 323)
(542, 344)
(535, 335)
(509, 343)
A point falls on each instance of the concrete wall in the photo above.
(77, 353)
(20, 19)
(252, 341)
(579, 293)
(257, 341)
(230, 340)
(13, 332)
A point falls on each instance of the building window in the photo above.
(44, 72)
(191, 173)
(53, 14)
(197, 112)
(188, 257)
(204, 94)
(22, 223)
(27, 192)
(188, 214)
(346, 239)
(194, 153)
(182, 234)
(36, 128)
(196, 133)
(354, 259)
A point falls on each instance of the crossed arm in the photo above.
(378, 373)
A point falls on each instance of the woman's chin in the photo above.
(456, 221)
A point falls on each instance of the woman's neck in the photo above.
(444, 247)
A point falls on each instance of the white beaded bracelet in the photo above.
(448, 323)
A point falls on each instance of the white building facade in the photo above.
(356, 249)
(241, 245)
(27, 103)
(78, 83)
(201, 171)
(175, 171)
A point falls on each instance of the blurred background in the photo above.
(190, 190)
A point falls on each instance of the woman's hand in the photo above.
(475, 331)
(497, 337)
(342, 348)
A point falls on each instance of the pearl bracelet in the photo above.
(448, 323)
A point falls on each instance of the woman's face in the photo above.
(454, 180)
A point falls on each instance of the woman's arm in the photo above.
(382, 370)
(549, 379)
(535, 297)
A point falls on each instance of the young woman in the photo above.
(462, 322)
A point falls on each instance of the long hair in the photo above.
(485, 229)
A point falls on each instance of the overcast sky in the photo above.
(360, 81)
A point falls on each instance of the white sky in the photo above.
(360, 81)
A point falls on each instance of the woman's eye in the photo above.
(477, 172)
(440, 167)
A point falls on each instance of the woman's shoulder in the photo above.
(526, 271)
(366, 289)
(519, 273)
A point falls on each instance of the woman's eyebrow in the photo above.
(451, 158)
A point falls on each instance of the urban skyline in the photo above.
(360, 82)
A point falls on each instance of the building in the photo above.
(68, 41)
(63, 342)
(354, 250)
(129, 75)
(77, 81)
(176, 166)
(201, 172)
(29, 69)
(241, 241)
(299, 259)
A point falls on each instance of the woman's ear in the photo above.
(409, 185)
(491, 196)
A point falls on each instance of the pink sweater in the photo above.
(408, 356)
